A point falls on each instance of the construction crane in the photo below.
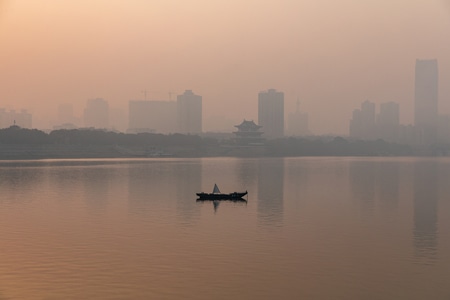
(149, 93)
(170, 94)
(145, 94)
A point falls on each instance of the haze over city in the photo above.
(330, 55)
(212, 149)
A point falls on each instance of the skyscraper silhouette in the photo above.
(189, 113)
(298, 123)
(96, 113)
(426, 101)
(362, 124)
(271, 113)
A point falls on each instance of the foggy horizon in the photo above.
(292, 149)
(330, 56)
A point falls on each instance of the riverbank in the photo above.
(60, 151)
(19, 152)
(17, 143)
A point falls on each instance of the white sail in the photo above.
(216, 189)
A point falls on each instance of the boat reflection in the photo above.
(217, 202)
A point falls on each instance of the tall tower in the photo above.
(426, 100)
(362, 124)
(189, 113)
(96, 113)
(271, 113)
(298, 122)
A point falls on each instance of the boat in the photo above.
(217, 195)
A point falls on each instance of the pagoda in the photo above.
(248, 133)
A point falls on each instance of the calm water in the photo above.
(313, 228)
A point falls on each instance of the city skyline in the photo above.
(426, 99)
(164, 116)
(66, 52)
(325, 124)
(55, 120)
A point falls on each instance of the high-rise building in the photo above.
(388, 122)
(362, 125)
(189, 113)
(443, 131)
(298, 123)
(426, 101)
(271, 113)
(152, 116)
(96, 113)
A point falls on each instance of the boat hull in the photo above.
(212, 196)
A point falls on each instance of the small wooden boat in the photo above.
(217, 195)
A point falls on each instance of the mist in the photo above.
(328, 55)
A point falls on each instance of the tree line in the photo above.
(17, 135)
(291, 146)
(336, 146)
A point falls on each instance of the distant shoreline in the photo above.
(18, 143)
(36, 152)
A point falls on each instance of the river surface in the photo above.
(312, 228)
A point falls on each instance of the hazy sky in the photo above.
(331, 54)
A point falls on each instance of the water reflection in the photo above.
(247, 172)
(425, 209)
(388, 185)
(298, 174)
(187, 182)
(65, 179)
(96, 188)
(58, 248)
(216, 203)
(18, 183)
(362, 181)
(149, 183)
(270, 191)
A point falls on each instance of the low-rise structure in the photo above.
(248, 133)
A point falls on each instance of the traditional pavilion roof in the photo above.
(248, 126)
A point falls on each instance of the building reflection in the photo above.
(298, 172)
(247, 172)
(362, 175)
(187, 182)
(425, 209)
(270, 191)
(96, 182)
(388, 186)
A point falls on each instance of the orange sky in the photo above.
(330, 54)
